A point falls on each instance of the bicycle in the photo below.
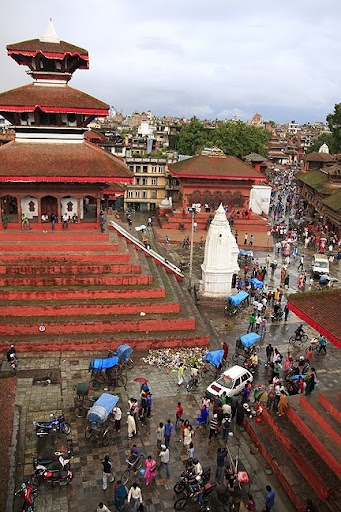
(298, 339)
(116, 379)
(193, 382)
(81, 408)
(99, 431)
(133, 466)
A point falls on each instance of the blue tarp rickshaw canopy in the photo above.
(238, 298)
(243, 252)
(124, 351)
(214, 357)
(249, 339)
(103, 364)
(101, 409)
(257, 283)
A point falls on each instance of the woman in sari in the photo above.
(288, 362)
(120, 495)
(311, 382)
(150, 467)
(282, 404)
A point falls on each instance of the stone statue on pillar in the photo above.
(221, 258)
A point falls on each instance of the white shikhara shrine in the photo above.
(221, 258)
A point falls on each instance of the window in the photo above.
(137, 193)
(130, 194)
(236, 382)
(153, 194)
(144, 181)
(131, 167)
(137, 168)
(137, 181)
(144, 194)
(161, 169)
(153, 168)
(154, 181)
(145, 168)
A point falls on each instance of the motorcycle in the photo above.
(28, 495)
(57, 425)
(253, 368)
(277, 315)
(54, 476)
(13, 361)
(181, 485)
(46, 463)
(302, 369)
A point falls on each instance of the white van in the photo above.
(231, 381)
(320, 264)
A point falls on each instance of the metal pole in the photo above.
(191, 254)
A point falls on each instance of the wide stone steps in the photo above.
(87, 309)
(90, 280)
(60, 248)
(21, 326)
(64, 236)
(104, 341)
(297, 488)
(64, 258)
(47, 270)
(56, 293)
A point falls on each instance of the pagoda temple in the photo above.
(50, 168)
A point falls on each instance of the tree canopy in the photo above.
(334, 123)
(324, 138)
(234, 138)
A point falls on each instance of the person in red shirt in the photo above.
(178, 414)
(226, 350)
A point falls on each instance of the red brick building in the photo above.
(212, 178)
(50, 168)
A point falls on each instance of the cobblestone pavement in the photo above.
(35, 402)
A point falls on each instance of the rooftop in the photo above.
(60, 161)
(51, 99)
(208, 167)
(318, 157)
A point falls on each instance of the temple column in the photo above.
(98, 211)
(79, 199)
(19, 209)
(39, 209)
(59, 209)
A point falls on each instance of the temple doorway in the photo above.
(9, 205)
(89, 209)
(49, 205)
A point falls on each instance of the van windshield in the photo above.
(225, 381)
(321, 264)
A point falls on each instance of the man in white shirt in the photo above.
(164, 458)
(65, 221)
(135, 497)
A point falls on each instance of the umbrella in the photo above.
(141, 379)
(325, 278)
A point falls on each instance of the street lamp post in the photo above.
(193, 210)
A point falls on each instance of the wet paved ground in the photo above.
(83, 495)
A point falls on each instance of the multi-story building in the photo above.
(149, 185)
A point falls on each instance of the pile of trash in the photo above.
(170, 358)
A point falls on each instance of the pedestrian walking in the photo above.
(234, 403)
(311, 382)
(65, 221)
(282, 404)
(251, 239)
(120, 495)
(252, 320)
(195, 225)
(168, 432)
(221, 456)
(286, 312)
(107, 472)
(131, 425)
(117, 417)
(4, 219)
(258, 323)
(178, 414)
(323, 344)
(269, 351)
(150, 469)
(102, 222)
(160, 436)
(245, 238)
(188, 436)
(167, 241)
(180, 374)
(213, 427)
(135, 497)
(301, 264)
(164, 459)
(226, 421)
(190, 453)
(25, 221)
(264, 326)
(269, 499)
(251, 505)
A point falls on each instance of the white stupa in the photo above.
(221, 258)
(324, 148)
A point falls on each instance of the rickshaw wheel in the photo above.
(95, 384)
(88, 432)
(180, 503)
(105, 437)
(130, 364)
(80, 411)
(122, 381)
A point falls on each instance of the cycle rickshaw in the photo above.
(106, 372)
(123, 353)
(99, 419)
(236, 302)
(244, 346)
(213, 363)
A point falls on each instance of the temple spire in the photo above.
(50, 34)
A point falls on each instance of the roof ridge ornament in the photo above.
(50, 34)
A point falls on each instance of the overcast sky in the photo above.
(212, 58)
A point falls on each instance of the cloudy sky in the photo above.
(212, 58)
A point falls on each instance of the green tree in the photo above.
(191, 137)
(334, 123)
(324, 138)
(239, 139)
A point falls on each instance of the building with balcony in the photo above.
(149, 184)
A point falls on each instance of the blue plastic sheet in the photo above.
(238, 298)
(103, 364)
(249, 339)
(214, 357)
(243, 252)
(257, 283)
(101, 409)
(124, 351)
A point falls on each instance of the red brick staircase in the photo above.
(303, 448)
(86, 291)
